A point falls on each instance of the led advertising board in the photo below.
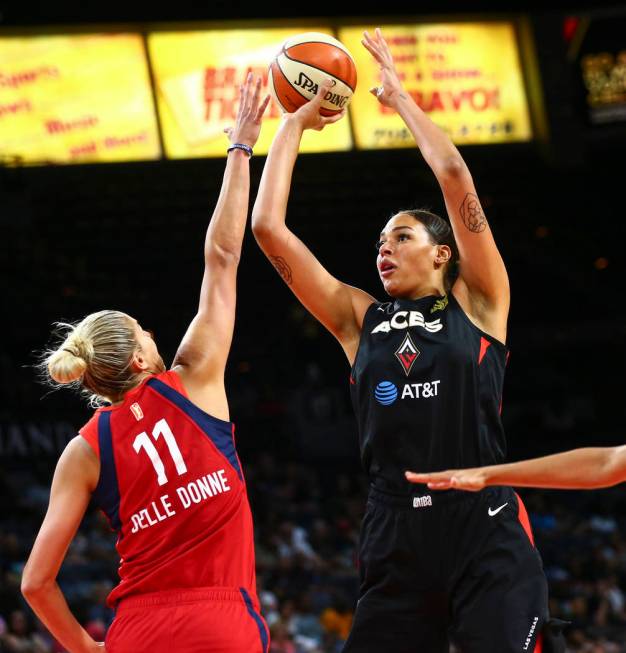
(76, 99)
(197, 77)
(466, 76)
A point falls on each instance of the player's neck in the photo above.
(423, 290)
(140, 378)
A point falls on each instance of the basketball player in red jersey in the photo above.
(159, 459)
(427, 369)
(580, 469)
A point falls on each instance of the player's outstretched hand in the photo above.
(250, 115)
(472, 480)
(391, 86)
(309, 116)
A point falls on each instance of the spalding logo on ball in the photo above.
(302, 64)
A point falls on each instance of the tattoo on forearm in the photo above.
(403, 96)
(472, 214)
(282, 268)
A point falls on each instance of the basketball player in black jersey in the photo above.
(426, 384)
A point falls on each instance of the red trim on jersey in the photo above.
(522, 515)
(539, 644)
(484, 345)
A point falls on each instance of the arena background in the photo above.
(80, 238)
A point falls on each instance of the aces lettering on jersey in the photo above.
(194, 492)
(406, 320)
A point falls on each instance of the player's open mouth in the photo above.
(386, 269)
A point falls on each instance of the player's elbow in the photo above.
(34, 585)
(269, 234)
(221, 255)
(261, 226)
(453, 169)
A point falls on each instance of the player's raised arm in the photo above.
(75, 478)
(339, 307)
(482, 287)
(201, 357)
(579, 469)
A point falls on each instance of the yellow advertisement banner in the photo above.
(197, 77)
(466, 76)
(76, 99)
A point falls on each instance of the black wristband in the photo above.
(240, 146)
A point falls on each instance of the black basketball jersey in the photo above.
(426, 388)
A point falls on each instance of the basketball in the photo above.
(302, 64)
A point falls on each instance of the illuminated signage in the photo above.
(197, 76)
(88, 97)
(602, 61)
(466, 76)
(76, 99)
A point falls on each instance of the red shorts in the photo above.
(189, 621)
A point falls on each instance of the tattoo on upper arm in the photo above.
(282, 268)
(472, 214)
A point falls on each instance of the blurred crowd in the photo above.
(307, 520)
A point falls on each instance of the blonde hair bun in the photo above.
(95, 356)
(64, 366)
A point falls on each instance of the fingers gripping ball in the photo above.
(302, 64)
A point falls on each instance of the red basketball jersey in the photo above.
(172, 487)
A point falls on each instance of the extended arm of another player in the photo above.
(584, 469)
(339, 307)
(201, 357)
(482, 268)
(74, 479)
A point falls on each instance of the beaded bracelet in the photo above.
(240, 146)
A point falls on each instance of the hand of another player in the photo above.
(391, 87)
(250, 114)
(308, 115)
(472, 480)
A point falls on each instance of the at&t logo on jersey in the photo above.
(406, 319)
(386, 392)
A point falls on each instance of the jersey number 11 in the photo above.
(142, 441)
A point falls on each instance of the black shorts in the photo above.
(447, 566)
